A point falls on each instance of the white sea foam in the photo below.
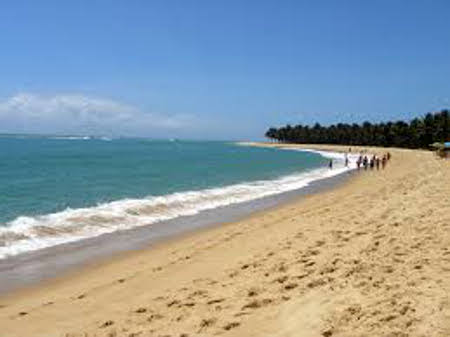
(104, 138)
(32, 233)
(71, 137)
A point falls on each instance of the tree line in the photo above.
(417, 133)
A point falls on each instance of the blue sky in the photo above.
(218, 69)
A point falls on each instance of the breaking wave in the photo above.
(27, 233)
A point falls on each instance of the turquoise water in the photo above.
(54, 190)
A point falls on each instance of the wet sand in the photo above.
(371, 257)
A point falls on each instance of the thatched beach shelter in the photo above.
(442, 149)
(447, 149)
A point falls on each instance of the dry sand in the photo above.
(368, 258)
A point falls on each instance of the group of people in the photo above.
(372, 162)
(367, 161)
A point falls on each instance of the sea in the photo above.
(55, 189)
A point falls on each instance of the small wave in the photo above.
(31, 233)
(71, 137)
(104, 138)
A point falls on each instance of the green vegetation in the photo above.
(418, 133)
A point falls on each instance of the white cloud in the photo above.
(73, 113)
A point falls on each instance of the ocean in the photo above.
(55, 190)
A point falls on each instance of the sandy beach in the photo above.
(370, 257)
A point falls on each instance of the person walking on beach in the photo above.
(383, 162)
(346, 160)
(330, 164)
(358, 163)
(377, 162)
(365, 162)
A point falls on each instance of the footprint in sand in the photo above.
(281, 279)
(253, 292)
(282, 268)
(388, 318)
(316, 283)
(215, 301)
(290, 286)
(301, 276)
(255, 304)
(106, 324)
(231, 325)
(320, 243)
(187, 304)
(327, 270)
(207, 322)
(310, 264)
(313, 252)
(172, 303)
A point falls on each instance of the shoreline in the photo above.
(258, 208)
(369, 257)
(33, 268)
(26, 234)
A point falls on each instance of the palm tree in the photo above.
(418, 133)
